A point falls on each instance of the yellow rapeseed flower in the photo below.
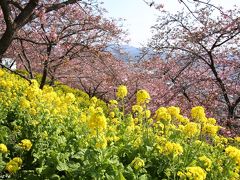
(162, 115)
(196, 173)
(112, 114)
(147, 113)
(14, 165)
(101, 142)
(48, 89)
(24, 103)
(206, 162)
(34, 83)
(70, 97)
(210, 129)
(115, 121)
(94, 100)
(173, 111)
(18, 160)
(113, 102)
(25, 144)
(137, 142)
(137, 163)
(99, 110)
(1, 72)
(237, 139)
(198, 114)
(97, 121)
(182, 119)
(193, 173)
(112, 138)
(143, 97)
(234, 153)
(172, 148)
(211, 121)
(137, 108)
(3, 148)
(122, 91)
(191, 129)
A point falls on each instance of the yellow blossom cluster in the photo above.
(121, 91)
(210, 129)
(207, 163)
(191, 129)
(101, 142)
(198, 114)
(14, 165)
(237, 139)
(171, 148)
(211, 121)
(162, 115)
(194, 173)
(25, 144)
(113, 102)
(173, 111)
(94, 100)
(137, 163)
(143, 97)
(137, 108)
(112, 114)
(97, 120)
(234, 153)
(3, 148)
(1, 72)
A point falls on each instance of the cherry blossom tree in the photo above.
(15, 14)
(49, 42)
(203, 42)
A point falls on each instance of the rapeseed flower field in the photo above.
(62, 133)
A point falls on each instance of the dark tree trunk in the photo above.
(44, 74)
(5, 42)
(45, 66)
(230, 112)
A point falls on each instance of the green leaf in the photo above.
(62, 167)
(143, 177)
(55, 177)
(2, 163)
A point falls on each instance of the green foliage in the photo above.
(59, 133)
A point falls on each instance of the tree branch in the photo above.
(55, 7)
(16, 4)
(25, 14)
(6, 13)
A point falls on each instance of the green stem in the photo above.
(145, 125)
(164, 130)
(123, 108)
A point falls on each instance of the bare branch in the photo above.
(6, 12)
(25, 14)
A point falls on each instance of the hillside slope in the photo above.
(59, 133)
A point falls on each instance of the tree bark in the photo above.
(44, 74)
(230, 112)
(5, 42)
(46, 66)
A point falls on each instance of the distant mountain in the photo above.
(133, 52)
(129, 53)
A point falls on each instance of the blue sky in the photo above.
(140, 17)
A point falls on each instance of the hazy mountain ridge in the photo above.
(130, 53)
